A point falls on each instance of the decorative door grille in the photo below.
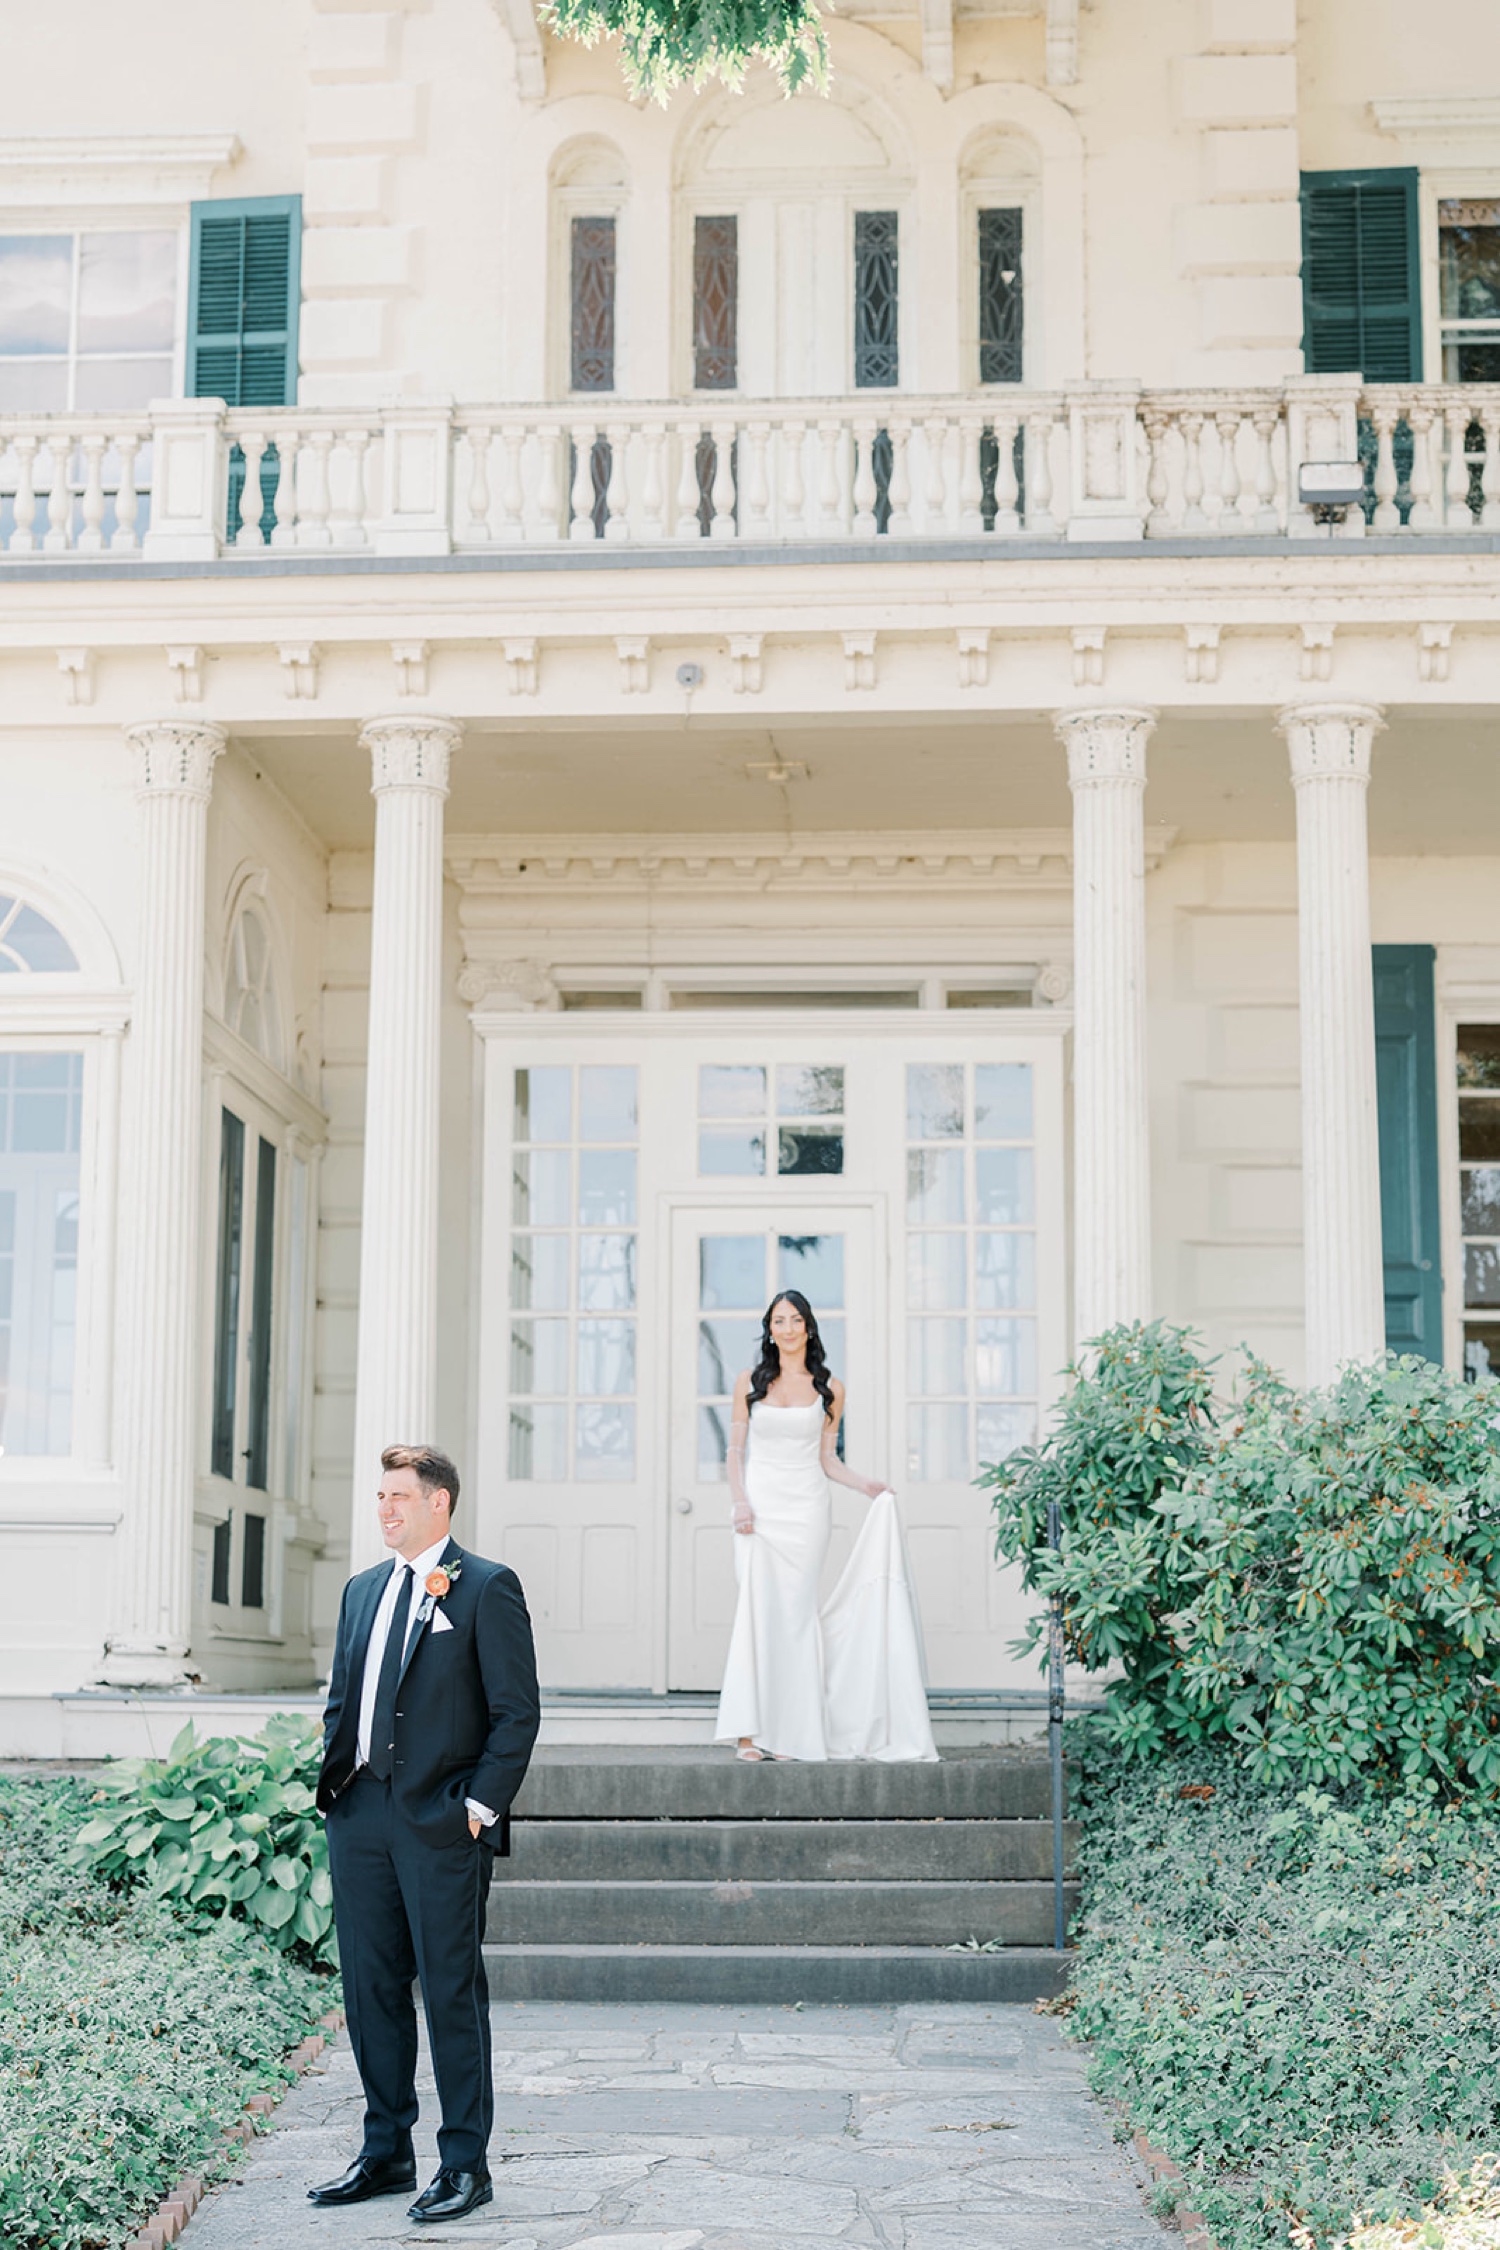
(1000, 304)
(592, 306)
(716, 303)
(877, 363)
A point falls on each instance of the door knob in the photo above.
(684, 1507)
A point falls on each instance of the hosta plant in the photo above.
(223, 1827)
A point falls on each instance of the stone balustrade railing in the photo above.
(192, 480)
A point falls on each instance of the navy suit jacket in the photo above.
(467, 1707)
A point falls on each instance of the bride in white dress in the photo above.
(847, 1680)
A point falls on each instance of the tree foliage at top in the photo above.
(669, 43)
(1313, 1577)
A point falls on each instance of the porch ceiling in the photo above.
(1219, 779)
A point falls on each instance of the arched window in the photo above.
(999, 178)
(589, 193)
(251, 1004)
(29, 943)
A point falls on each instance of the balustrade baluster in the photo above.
(970, 477)
(617, 484)
(1458, 514)
(1227, 423)
(830, 484)
(1039, 516)
(898, 493)
(59, 498)
(1266, 421)
(935, 482)
(23, 539)
(127, 500)
(865, 490)
(1007, 489)
(688, 526)
(723, 493)
(653, 482)
(247, 532)
(1422, 515)
(284, 506)
(91, 537)
(478, 527)
(1156, 423)
(793, 481)
(512, 490)
(549, 491)
(581, 495)
(316, 499)
(757, 490)
(351, 527)
(1193, 517)
(1385, 413)
(1489, 475)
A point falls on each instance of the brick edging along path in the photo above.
(173, 2212)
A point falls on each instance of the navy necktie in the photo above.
(383, 1717)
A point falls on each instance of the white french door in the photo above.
(728, 1262)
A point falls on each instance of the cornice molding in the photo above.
(978, 859)
(1462, 127)
(113, 168)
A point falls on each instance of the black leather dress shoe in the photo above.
(396, 2175)
(453, 2195)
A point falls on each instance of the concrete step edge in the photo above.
(774, 1953)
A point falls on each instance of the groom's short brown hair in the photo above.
(433, 1470)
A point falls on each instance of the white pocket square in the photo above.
(440, 1623)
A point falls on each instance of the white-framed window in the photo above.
(252, 1005)
(1469, 288)
(90, 317)
(590, 251)
(573, 1271)
(786, 1119)
(1478, 1080)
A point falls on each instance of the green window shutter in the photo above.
(243, 299)
(1406, 1092)
(1361, 275)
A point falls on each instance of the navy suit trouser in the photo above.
(406, 1908)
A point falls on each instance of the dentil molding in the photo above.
(410, 753)
(177, 756)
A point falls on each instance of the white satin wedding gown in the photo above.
(848, 1680)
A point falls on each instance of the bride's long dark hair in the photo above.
(768, 1366)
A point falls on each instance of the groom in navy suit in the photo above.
(432, 1712)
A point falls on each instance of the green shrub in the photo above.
(1295, 1993)
(127, 2042)
(1314, 1577)
(224, 1827)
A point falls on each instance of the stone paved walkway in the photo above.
(724, 2128)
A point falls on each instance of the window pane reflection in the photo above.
(539, 1358)
(731, 1090)
(1005, 1357)
(938, 1447)
(813, 1263)
(935, 1278)
(1002, 1187)
(539, 1272)
(739, 1155)
(935, 1186)
(544, 1104)
(606, 1358)
(539, 1443)
(1004, 1270)
(1002, 1101)
(732, 1273)
(606, 1272)
(725, 1349)
(809, 1090)
(606, 1442)
(1000, 1429)
(606, 1187)
(607, 1102)
(541, 1187)
(935, 1352)
(934, 1101)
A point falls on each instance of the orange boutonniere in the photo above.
(439, 1582)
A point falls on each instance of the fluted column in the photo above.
(396, 1374)
(1111, 1142)
(151, 1611)
(1344, 1281)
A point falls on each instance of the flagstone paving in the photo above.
(734, 2128)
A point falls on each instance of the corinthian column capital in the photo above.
(1330, 741)
(1105, 744)
(177, 757)
(410, 753)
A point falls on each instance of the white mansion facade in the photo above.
(607, 708)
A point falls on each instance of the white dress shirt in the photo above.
(413, 1573)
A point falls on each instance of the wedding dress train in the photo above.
(846, 1681)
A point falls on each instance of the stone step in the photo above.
(755, 1914)
(822, 1975)
(765, 1851)
(704, 1783)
